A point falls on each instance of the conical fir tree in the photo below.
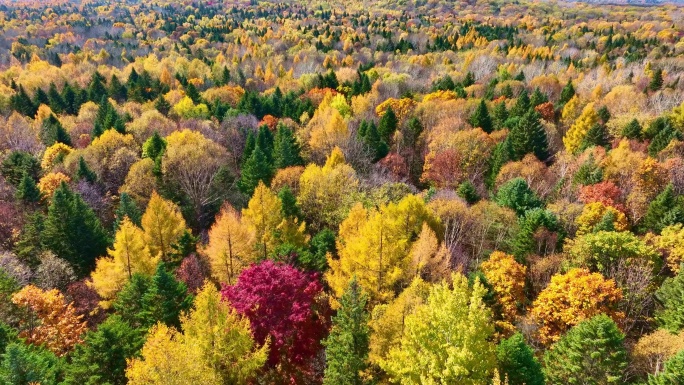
(522, 104)
(73, 232)
(666, 209)
(388, 125)
(256, 168)
(166, 299)
(346, 348)
(480, 118)
(286, 150)
(84, 172)
(127, 208)
(596, 136)
(529, 137)
(27, 190)
(567, 93)
(632, 130)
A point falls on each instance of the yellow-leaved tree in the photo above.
(163, 225)
(376, 249)
(231, 246)
(447, 340)
(507, 278)
(216, 347)
(429, 259)
(573, 138)
(262, 217)
(130, 254)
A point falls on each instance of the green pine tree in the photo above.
(166, 298)
(500, 115)
(592, 352)
(480, 118)
(517, 195)
(162, 105)
(632, 130)
(522, 104)
(517, 362)
(101, 358)
(665, 210)
(538, 98)
(467, 191)
(28, 191)
(55, 98)
(257, 168)
(73, 232)
(154, 146)
(656, 80)
(672, 373)
(29, 246)
(388, 125)
(597, 136)
(84, 172)
(18, 163)
(52, 132)
(129, 304)
(346, 348)
(290, 208)
(127, 208)
(567, 93)
(286, 151)
(528, 136)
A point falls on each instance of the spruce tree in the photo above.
(388, 125)
(517, 362)
(266, 142)
(632, 130)
(500, 115)
(84, 172)
(71, 100)
(567, 93)
(117, 91)
(672, 373)
(127, 208)
(192, 92)
(28, 191)
(30, 244)
(40, 97)
(663, 139)
(56, 102)
(18, 163)
(522, 104)
(517, 195)
(346, 348)
(656, 80)
(250, 144)
(286, 150)
(166, 298)
(603, 114)
(538, 98)
(375, 142)
(73, 232)
(596, 136)
(665, 210)
(97, 89)
(528, 136)
(154, 146)
(225, 76)
(256, 168)
(290, 208)
(592, 352)
(467, 191)
(162, 105)
(670, 297)
(53, 132)
(480, 118)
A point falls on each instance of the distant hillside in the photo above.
(632, 2)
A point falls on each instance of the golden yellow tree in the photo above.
(231, 246)
(571, 298)
(507, 278)
(130, 254)
(163, 225)
(50, 320)
(262, 217)
(573, 138)
(379, 253)
(429, 259)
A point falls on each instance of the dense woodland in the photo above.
(356, 192)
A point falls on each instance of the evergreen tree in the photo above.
(192, 92)
(656, 80)
(388, 125)
(567, 93)
(27, 190)
(24, 364)
(127, 208)
(663, 139)
(73, 232)
(347, 349)
(129, 304)
(522, 104)
(467, 191)
(286, 150)
(23, 104)
(374, 141)
(665, 210)
(517, 362)
(534, 219)
(517, 195)
(480, 118)
(592, 352)
(528, 136)
(84, 172)
(154, 146)
(162, 105)
(632, 130)
(670, 296)
(256, 168)
(52, 132)
(117, 91)
(603, 114)
(166, 298)
(101, 358)
(55, 99)
(225, 76)
(184, 246)
(266, 142)
(97, 89)
(29, 246)
(502, 154)
(321, 244)
(18, 163)
(71, 100)
(538, 98)
(250, 144)
(289, 203)
(500, 115)
(40, 97)
(596, 136)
